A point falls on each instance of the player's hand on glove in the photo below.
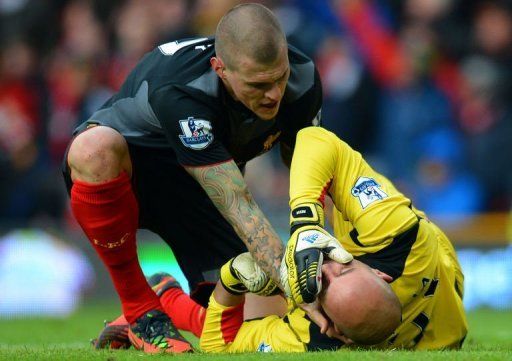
(242, 274)
(301, 274)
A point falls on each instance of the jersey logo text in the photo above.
(197, 133)
(368, 191)
(113, 244)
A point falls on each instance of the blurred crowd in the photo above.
(422, 88)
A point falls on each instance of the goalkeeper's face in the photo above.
(359, 301)
(333, 272)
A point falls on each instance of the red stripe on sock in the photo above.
(108, 214)
(186, 314)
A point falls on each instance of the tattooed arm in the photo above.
(227, 189)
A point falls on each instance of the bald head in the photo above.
(249, 30)
(362, 306)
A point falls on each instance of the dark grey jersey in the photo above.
(173, 99)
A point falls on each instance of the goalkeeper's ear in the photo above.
(306, 214)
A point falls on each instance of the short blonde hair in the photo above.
(252, 30)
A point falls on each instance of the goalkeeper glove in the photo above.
(242, 274)
(301, 273)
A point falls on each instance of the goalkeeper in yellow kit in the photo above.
(378, 225)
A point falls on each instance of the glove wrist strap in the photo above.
(306, 214)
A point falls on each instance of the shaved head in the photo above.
(361, 305)
(252, 31)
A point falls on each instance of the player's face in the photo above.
(335, 274)
(259, 87)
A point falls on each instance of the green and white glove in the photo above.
(301, 267)
(242, 274)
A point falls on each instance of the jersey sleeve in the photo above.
(191, 127)
(313, 166)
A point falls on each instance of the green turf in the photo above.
(490, 338)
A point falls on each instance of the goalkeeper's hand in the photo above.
(242, 274)
(301, 273)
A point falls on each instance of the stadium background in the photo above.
(422, 88)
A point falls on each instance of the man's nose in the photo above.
(331, 268)
(274, 93)
(327, 269)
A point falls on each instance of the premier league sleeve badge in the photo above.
(368, 191)
(196, 133)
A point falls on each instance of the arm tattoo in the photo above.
(227, 189)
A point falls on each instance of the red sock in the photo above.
(108, 213)
(186, 314)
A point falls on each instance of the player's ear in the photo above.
(383, 275)
(218, 66)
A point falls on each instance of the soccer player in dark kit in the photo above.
(170, 147)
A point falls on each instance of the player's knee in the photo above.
(98, 154)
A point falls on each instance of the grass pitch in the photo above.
(490, 338)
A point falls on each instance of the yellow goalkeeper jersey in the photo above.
(379, 226)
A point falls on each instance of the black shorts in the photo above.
(174, 206)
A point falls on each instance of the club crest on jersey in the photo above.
(368, 191)
(197, 133)
(269, 142)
